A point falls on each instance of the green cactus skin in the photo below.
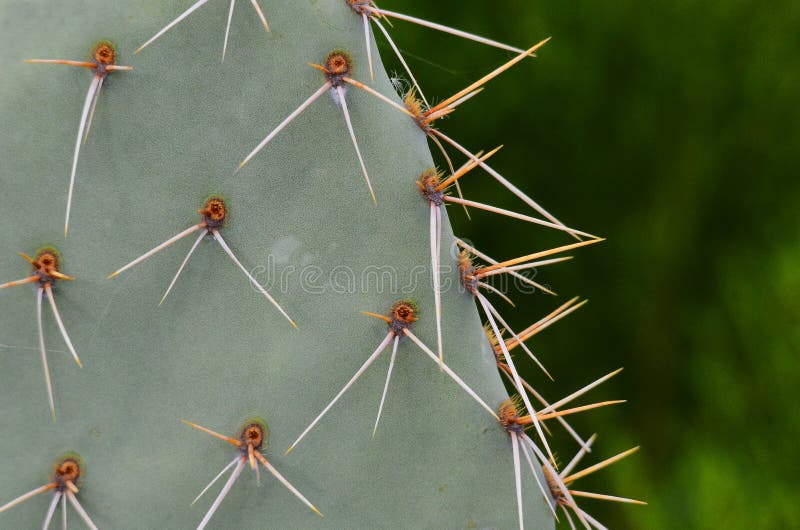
(164, 137)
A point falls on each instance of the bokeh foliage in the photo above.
(671, 128)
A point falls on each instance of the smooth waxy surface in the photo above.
(165, 136)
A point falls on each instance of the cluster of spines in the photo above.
(337, 69)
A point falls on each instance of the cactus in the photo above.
(162, 141)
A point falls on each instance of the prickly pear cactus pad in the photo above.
(165, 137)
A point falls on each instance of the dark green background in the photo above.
(671, 128)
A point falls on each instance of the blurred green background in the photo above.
(672, 129)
